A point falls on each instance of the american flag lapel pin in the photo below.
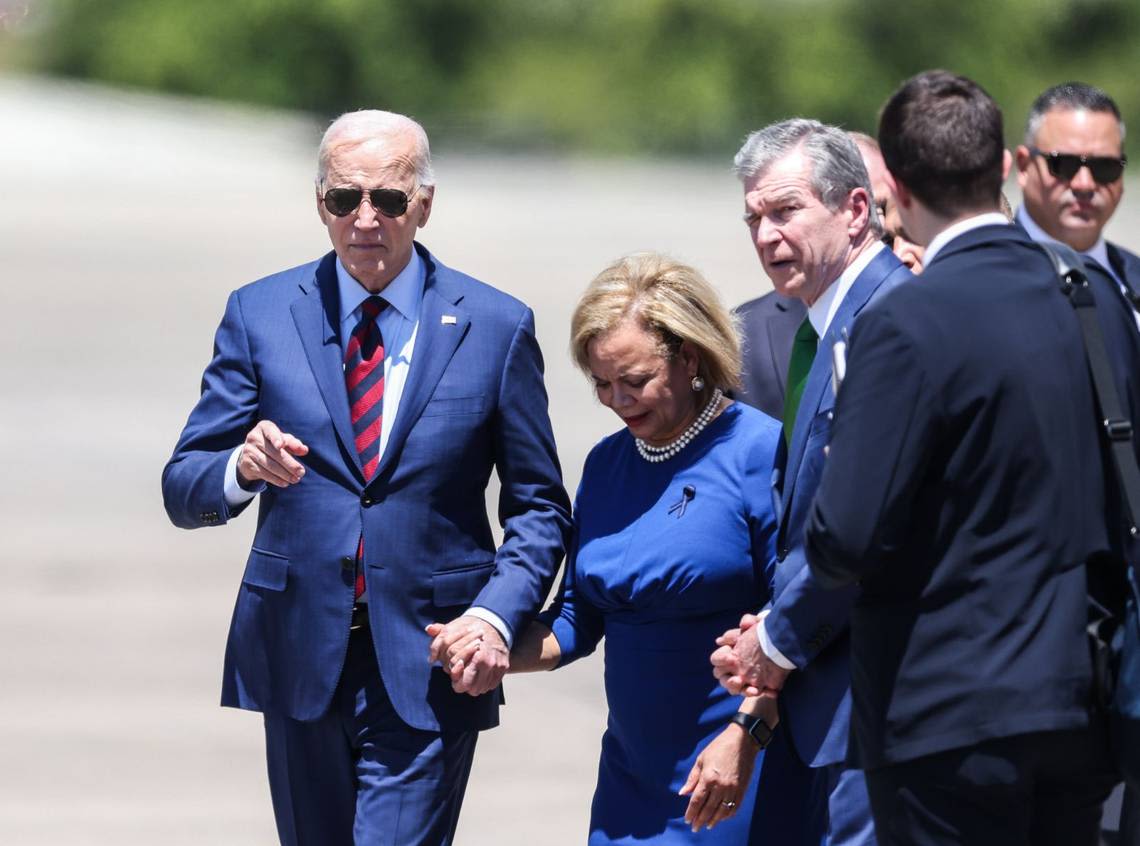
(447, 319)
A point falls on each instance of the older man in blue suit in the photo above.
(810, 211)
(365, 398)
(768, 323)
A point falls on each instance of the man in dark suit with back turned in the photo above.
(965, 490)
(366, 397)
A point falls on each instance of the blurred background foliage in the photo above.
(659, 77)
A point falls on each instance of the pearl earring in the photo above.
(698, 384)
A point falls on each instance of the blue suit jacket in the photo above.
(474, 400)
(965, 490)
(806, 622)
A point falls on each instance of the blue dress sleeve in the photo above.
(576, 623)
(757, 487)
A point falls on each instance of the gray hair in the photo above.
(368, 124)
(1069, 96)
(837, 167)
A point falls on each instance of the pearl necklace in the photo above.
(655, 454)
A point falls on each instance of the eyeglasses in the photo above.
(390, 202)
(1104, 169)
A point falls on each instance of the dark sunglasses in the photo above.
(1104, 169)
(390, 202)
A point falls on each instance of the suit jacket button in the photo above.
(366, 501)
(348, 563)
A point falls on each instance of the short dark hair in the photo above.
(1069, 96)
(941, 136)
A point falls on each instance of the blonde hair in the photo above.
(669, 299)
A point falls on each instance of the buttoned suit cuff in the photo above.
(768, 648)
(235, 494)
(489, 616)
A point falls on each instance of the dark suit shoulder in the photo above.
(985, 260)
(771, 303)
(965, 297)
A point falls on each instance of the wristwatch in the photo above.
(757, 729)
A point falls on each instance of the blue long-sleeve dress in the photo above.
(660, 583)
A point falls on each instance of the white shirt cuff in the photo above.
(775, 655)
(235, 494)
(488, 616)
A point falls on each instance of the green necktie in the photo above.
(803, 354)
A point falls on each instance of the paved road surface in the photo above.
(126, 220)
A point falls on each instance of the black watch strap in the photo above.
(757, 729)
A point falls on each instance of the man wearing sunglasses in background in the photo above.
(1071, 173)
(365, 398)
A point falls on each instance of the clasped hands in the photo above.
(471, 652)
(741, 666)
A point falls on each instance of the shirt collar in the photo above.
(1098, 252)
(961, 228)
(822, 312)
(403, 293)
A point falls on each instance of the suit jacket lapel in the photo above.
(1126, 266)
(317, 316)
(436, 342)
(818, 395)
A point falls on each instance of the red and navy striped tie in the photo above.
(364, 378)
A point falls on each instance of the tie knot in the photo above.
(806, 332)
(372, 306)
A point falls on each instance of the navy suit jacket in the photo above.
(965, 490)
(474, 401)
(768, 324)
(1127, 267)
(807, 622)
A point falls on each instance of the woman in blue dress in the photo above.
(674, 537)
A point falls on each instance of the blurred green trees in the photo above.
(645, 76)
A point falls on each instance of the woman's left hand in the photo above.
(719, 777)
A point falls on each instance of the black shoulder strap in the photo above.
(1117, 426)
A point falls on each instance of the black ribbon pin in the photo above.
(678, 508)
